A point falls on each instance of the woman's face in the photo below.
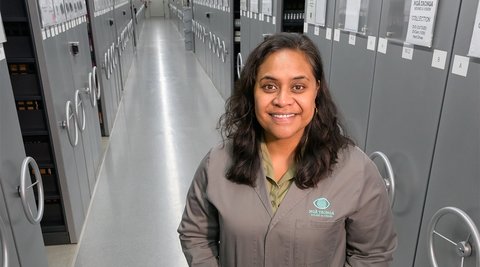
(284, 95)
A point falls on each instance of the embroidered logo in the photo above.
(322, 204)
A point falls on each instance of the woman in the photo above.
(286, 188)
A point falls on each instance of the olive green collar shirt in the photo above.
(277, 189)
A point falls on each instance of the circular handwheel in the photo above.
(463, 248)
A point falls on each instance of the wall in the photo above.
(157, 8)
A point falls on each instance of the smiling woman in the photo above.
(286, 188)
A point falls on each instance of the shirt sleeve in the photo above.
(198, 229)
(371, 238)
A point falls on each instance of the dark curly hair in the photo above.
(317, 152)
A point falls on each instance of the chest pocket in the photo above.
(316, 241)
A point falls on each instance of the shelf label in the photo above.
(352, 38)
(407, 51)
(372, 41)
(336, 35)
(316, 30)
(460, 65)
(439, 59)
(382, 45)
(328, 34)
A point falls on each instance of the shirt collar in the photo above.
(268, 167)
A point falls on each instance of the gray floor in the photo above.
(165, 124)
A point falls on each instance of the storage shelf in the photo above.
(11, 60)
(35, 133)
(27, 98)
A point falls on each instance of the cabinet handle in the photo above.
(210, 40)
(239, 64)
(463, 248)
(23, 189)
(79, 103)
(225, 52)
(3, 239)
(114, 58)
(106, 64)
(390, 179)
(109, 60)
(69, 115)
(90, 91)
(96, 83)
(219, 47)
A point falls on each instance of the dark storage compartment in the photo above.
(15, 8)
(50, 184)
(19, 47)
(32, 121)
(25, 85)
(53, 224)
(38, 147)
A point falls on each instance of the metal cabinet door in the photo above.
(322, 40)
(352, 70)
(80, 65)
(455, 175)
(28, 240)
(23, 240)
(102, 25)
(55, 70)
(405, 111)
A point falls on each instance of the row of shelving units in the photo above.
(403, 74)
(64, 65)
(392, 67)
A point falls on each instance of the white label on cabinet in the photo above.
(320, 12)
(305, 27)
(44, 34)
(372, 41)
(352, 38)
(328, 34)
(274, 20)
(460, 65)
(267, 7)
(439, 59)
(268, 19)
(421, 22)
(382, 45)
(310, 11)
(352, 15)
(2, 52)
(407, 51)
(48, 32)
(316, 30)
(474, 50)
(336, 35)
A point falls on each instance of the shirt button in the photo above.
(273, 203)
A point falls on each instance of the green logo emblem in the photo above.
(321, 203)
